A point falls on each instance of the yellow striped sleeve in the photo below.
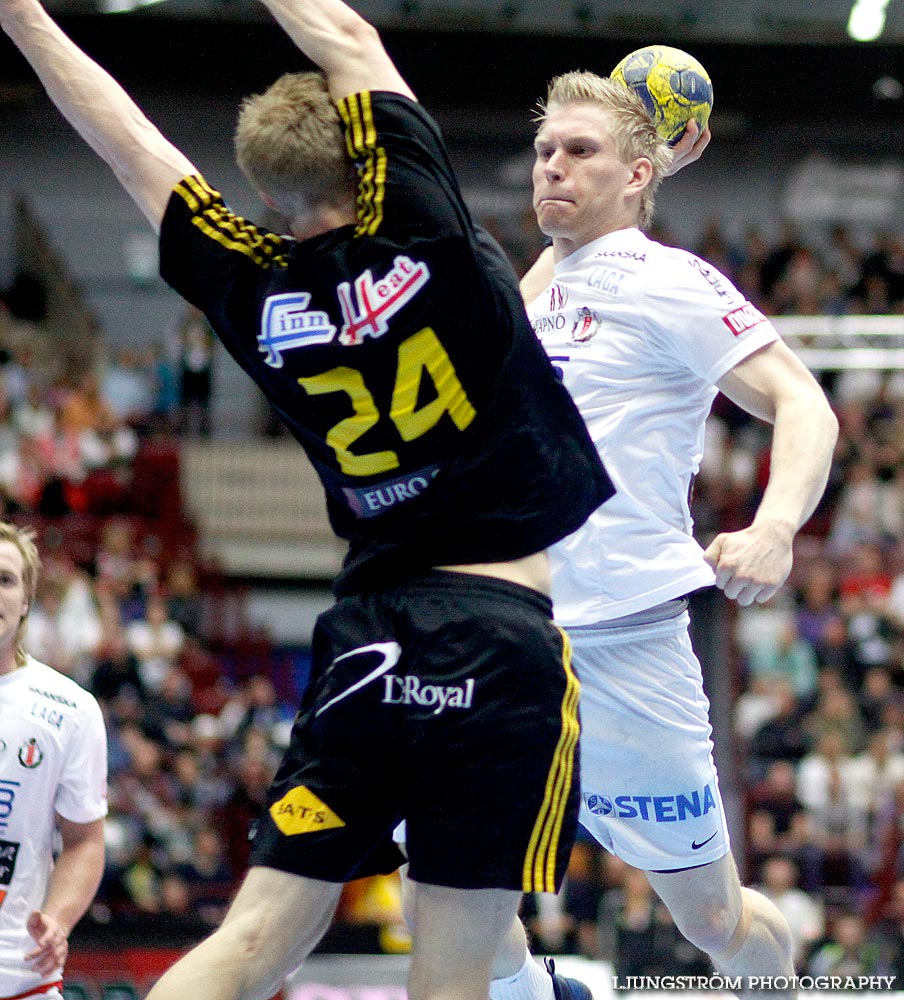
(215, 220)
(540, 861)
(356, 112)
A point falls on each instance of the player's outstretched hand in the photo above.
(752, 564)
(52, 944)
(689, 148)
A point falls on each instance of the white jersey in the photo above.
(53, 759)
(641, 333)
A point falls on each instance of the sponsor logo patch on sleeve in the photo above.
(743, 318)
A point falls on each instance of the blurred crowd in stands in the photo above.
(195, 735)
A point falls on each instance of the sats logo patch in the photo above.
(300, 811)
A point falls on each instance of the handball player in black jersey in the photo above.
(389, 334)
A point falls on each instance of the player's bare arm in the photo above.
(774, 385)
(341, 43)
(539, 277)
(73, 884)
(147, 165)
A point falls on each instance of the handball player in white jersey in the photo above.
(53, 775)
(645, 335)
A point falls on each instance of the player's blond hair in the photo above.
(23, 539)
(633, 130)
(290, 144)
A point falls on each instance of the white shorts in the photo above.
(650, 793)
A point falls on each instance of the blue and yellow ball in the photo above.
(672, 84)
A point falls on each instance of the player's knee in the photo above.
(761, 919)
(710, 929)
(769, 920)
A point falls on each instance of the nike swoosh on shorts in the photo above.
(696, 847)
(391, 652)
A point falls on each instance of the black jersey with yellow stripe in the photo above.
(398, 353)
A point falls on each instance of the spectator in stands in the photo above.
(255, 706)
(816, 601)
(888, 932)
(128, 388)
(780, 738)
(644, 940)
(181, 920)
(66, 619)
(183, 596)
(874, 774)
(169, 713)
(835, 710)
(124, 573)
(250, 780)
(32, 416)
(196, 372)
(838, 820)
(790, 658)
(164, 417)
(203, 790)
(803, 912)
(776, 796)
(837, 653)
(208, 874)
(848, 950)
(757, 704)
(878, 698)
(141, 877)
(156, 640)
(830, 759)
(63, 470)
(117, 670)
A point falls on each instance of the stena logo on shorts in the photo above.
(654, 808)
(410, 691)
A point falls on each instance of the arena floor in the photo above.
(382, 977)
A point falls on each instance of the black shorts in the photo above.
(450, 703)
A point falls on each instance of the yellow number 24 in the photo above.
(421, 352)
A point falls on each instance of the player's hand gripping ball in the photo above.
(673, 85)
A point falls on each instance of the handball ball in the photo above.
(673, 85)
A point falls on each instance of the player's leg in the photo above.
(514, 974)
(651, 795)
(740, 929)
(521, 789)
(272, 925)
(456, 934)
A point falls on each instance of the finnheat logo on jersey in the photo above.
(743, 318)
(7, 798)
(675, 808)
(31, 754)
(558, 297)
(367, 310)
(286, 324)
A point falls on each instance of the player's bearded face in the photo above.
(580, 183)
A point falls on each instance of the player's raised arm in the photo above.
(345, 46)
(147, 165)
